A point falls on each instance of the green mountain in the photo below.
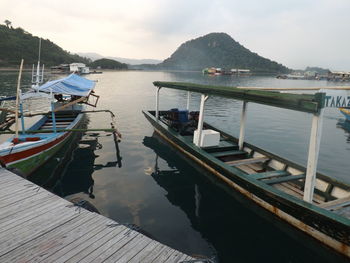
(221, 51)
(16, 43)
(105, 63)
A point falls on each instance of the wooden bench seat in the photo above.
(284, 179)
(270, 174)
(228, 153)
(338, 203)
(248, 161)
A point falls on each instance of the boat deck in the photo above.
(38, 226)
(277, 174)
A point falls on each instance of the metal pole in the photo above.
(314, 148)
(242, 125)
(53, 117)
(188, 100)
(157, 103)
(201, 120)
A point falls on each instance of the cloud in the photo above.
(296, 33)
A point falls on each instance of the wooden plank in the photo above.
(116, 247)
(84, 240)
(16, 191)
(25, 205)
(228, 153)
(150, 248)
(87, 246)
(14, 223)
(138, 239)
(33, 231)
(246, 169)
(284, 179)
(107, 249)
(95, 249)
(134, 249)
(18, 197)
(175, 257)
(270, 174)
(335, 203)
(166, 253)
(154, 254)
(248, 161)
(48, 241)
(54, 240)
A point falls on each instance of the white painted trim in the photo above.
(242, 125)
(314, 148)
(188, 100)
(201, 119)
(157, 103)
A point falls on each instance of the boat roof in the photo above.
(311, 103)
(71, 85)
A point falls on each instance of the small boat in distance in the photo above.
(346, 113)
(314, 203)
(35, 145)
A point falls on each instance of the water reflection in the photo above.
(71, 170)
(232, 225)
(345, 125)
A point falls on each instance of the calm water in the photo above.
(170, 198)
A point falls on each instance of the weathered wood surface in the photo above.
(37, 226)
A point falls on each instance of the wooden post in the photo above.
(314, 147)
(157, 103)
(22, 118)
(188, 100)
(17, 98)
(242, 125)
(201, 119)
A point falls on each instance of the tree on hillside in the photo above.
(8, 23)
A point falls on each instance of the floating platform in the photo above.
(38, 226)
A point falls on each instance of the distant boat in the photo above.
(345, 112)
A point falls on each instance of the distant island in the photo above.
(105, 63)
(217, 50)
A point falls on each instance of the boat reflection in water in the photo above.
(71, 169)
(345, 125)
(235, 228)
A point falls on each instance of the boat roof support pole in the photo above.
(157, 103)
(242, 125)
(314, 148)
(201, 120)
(188, 100)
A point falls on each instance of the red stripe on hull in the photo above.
(27, 153)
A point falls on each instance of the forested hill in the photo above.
(16, 43)
(221, 51)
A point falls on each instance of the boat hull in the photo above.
(25, 161)
(323, 225)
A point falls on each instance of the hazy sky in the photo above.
(296, 33)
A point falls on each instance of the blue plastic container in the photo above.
(183, 116)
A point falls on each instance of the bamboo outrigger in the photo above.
(314, 203)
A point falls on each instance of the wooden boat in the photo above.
(312, 202)
(345, 112)
(35, 145)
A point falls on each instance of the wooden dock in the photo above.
(38, 226)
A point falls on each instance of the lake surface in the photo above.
(169, 197)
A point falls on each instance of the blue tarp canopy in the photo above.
(71, 85)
